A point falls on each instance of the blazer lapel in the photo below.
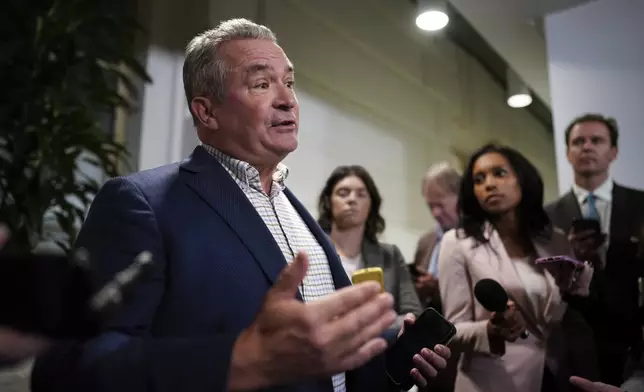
(215, 186)
(509, 278)
(571, 209)
(340, 278)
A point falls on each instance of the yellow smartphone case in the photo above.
(366, 274)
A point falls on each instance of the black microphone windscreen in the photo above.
(491, 295)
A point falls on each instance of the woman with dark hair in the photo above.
(503, 230)
(349, 208)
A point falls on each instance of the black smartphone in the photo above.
(579, 225)
(429, 330)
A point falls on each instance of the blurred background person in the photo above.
(440, 190)
(591, 147)
(440, 187)
(503, 229)
(349, 208)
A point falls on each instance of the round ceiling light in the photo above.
(432, 20)
(519, 100)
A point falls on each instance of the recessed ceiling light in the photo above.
(519, 100)
(432, 20)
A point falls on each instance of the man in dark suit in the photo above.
(612, 308)
(225, 307)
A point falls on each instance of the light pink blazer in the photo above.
(520, 367)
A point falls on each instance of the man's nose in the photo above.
(285, 99)
(588, 145)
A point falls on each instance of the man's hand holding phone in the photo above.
(586, 238)
(425, 283)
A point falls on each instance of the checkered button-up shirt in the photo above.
(287, 227)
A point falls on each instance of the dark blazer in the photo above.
(612, 307)
(424, 250)
(614, 292)
(396, 275)
(214, 260)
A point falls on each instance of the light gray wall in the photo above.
(596, 64)
(373, 91)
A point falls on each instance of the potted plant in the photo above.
(65, 65)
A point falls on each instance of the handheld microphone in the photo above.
(56, 296)
(493, 297)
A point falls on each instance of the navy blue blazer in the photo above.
(214, 260)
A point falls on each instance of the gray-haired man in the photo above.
(244, 296)
(440, 190)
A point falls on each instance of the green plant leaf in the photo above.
(61, 64)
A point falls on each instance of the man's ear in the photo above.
(614, 151)
(568, 155)
(203, 110)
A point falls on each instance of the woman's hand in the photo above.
(589, 386)
(508, 325)
(572, 278)
(580, 282)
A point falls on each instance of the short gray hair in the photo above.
(204, 72)
(445, 176)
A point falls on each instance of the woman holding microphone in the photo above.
(503, 230)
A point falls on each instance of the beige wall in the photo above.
(373, 91)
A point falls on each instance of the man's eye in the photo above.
(262, 85)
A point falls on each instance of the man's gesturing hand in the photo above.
(292, 341)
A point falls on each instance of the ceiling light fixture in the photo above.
(432, 15)
(518, 94)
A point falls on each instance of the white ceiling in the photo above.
(514, 29)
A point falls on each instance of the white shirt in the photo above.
(351, 264)
(287, 227)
